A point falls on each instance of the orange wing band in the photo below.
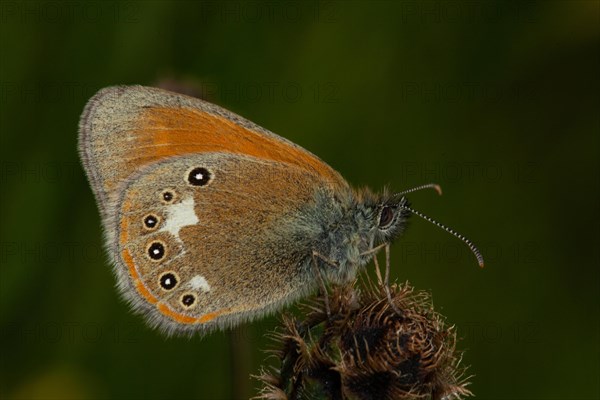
(165, 132)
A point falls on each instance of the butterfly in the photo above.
(211, 220)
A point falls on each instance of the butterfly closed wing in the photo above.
(209, 219)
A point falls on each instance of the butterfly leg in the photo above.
(386, 283)
(327, 260)
(378, 271)
(375, 261)
(316, 255)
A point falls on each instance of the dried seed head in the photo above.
(366, 350)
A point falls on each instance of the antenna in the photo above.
(433, 186)
(444, 227)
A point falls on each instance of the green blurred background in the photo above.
(496, 101)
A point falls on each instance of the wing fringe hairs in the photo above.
(365, 350)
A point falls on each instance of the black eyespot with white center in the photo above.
(386, 217)
(168, 280)
(167, 196)
(151, 221)
(199, 176)
(156, 251)
(188, 300)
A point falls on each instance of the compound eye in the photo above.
(386, 217)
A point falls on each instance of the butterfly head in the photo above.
(383, 218)
(379, 218)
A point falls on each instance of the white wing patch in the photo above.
(199, 282)
(180, 215)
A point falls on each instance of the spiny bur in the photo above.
(365, 349)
